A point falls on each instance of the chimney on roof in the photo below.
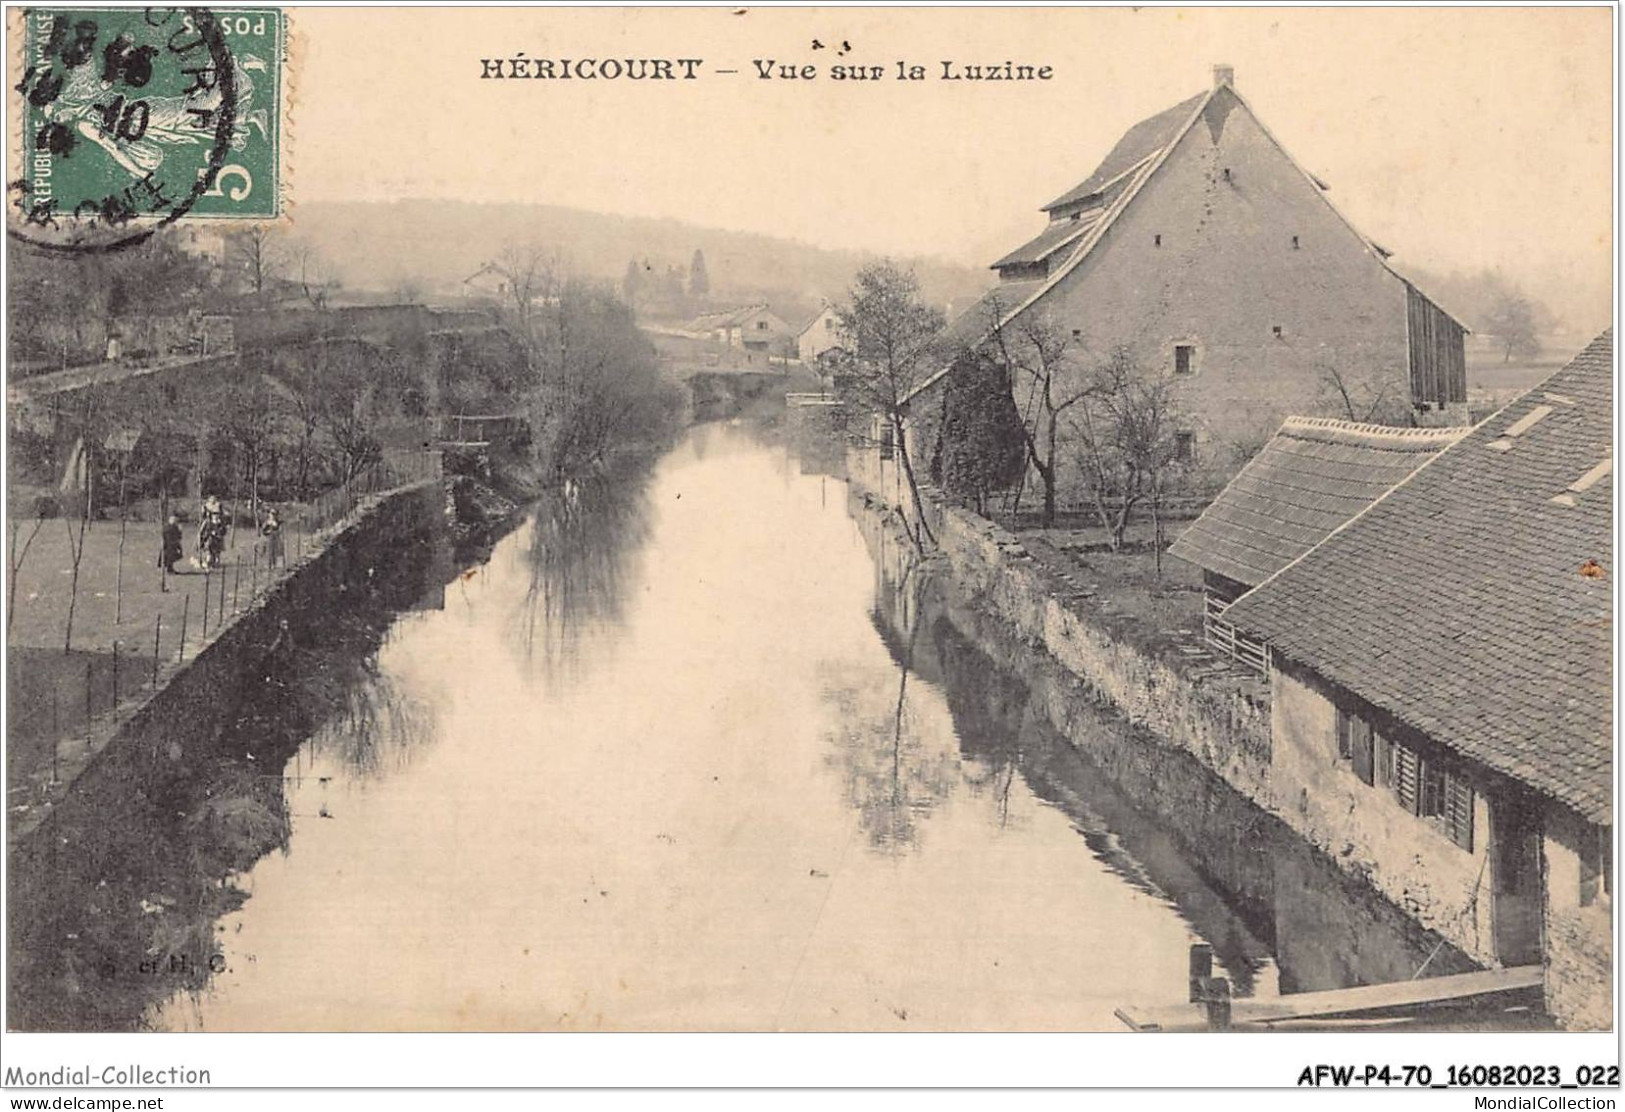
(1224, 76)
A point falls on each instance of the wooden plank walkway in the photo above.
(1367, 1000)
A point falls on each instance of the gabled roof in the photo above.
(725, 318)
(1473, 602)
(1121, 177)
(801, 329)
(1149, 137)
(1313, 475)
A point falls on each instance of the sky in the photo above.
(1458, 138)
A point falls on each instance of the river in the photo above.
(700, 751)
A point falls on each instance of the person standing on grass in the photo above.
(171, 552)
(211, 532)
(272, 529)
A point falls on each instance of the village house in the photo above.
(1313, 476)
(820, 334)
(1441, 685)
(485, 283)
(753, 328)
(1200, 247)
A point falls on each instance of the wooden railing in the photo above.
(1225, 638)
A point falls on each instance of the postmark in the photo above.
(134, 118)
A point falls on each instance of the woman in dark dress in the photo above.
(171, 551)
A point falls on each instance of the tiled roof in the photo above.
(1457, 603)
(1059, 234)
(1313, 475)
(1138, 143)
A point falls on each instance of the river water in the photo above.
(700, 751)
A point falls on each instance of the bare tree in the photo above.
(15, 558)
(257, 254)
(1039, 350)
(316, 280)
(532, 277)
(1373, 399)
(892, 333)
(90, 419)
(1126, 441)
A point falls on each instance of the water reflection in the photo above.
(582, 545)
(115, 900)
(1281, 918)
(804, 791)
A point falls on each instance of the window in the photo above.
(1184, 359)
(1227, 173)
(888, 441)
(1278, 332)
(1077, 333)
(1184, 446)
(1156, 240)
(1428, 789)
(1597, 866)
(1294, 243)
(761, 326)
(1458, 811)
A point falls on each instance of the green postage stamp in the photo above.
(133, 118)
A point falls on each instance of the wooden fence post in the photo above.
(157, 637)
(206, 573)
(115, 674)
(186, 607)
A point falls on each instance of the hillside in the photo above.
(433, 245)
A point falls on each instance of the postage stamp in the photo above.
(133, 118)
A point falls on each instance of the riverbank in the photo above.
(1218, 715)
(173, 685)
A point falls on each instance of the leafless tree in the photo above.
(532, 277)
(257, 254)
(316, 280)
(89, 425)
(1125, 441)
(15, 557)
(1373, 399)
(892, 333)
(1040, 352)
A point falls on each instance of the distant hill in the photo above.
(431, 246)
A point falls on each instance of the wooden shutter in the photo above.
(1384, 750)
(1345, 743)
(1458, 811)
(1407, 777)
(1361, 746)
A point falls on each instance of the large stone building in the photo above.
(1204, 250)
(1441, 686)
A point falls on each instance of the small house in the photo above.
(753, 328)
(820, 334)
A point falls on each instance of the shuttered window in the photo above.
(1407, 778)
(1431, 803)
(1458, 811)
(1384, 750)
